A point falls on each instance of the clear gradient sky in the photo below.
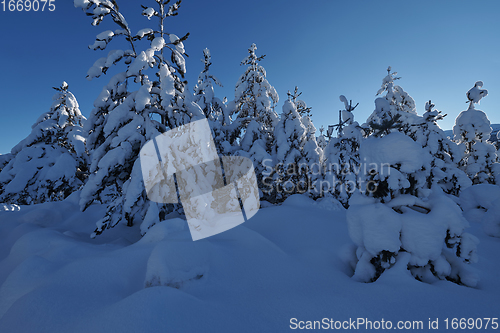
(325, 47)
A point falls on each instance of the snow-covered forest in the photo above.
(385, 218)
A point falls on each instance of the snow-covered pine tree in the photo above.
(312, 151)
(291, 173)
(254, 99)
(400, 109)
(321, 138)
(123, 121)
(253, 115)
(471, 131)
(402, 221)
(51, 162)
(313, 158)
(298, 156)
(302, 107)
(342, 157)
(396, 112)
(445, 153)
(214, 109)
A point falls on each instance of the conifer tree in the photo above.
(399, 219)
(290, 135)
(342, 157)
(51, 162)
(298, 156)
(123, 121)
(313, 158)
(403, 220)
(255, 99)
(253, 115)
(398, 114)
(445, 153)
(302, 107)
(213, 108)
(321, 138)
(471, 131)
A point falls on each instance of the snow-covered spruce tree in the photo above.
(401, 221)
(51, 162)
(313, 158)
(302, 107)
(445, 153)
(400, 108)
(471, 131)
(297, 154)
(322, 143)
(342, 156)
(291, 170)
(213, 108)
(312, 151)
(396, 112)
(123, 121)
(253, 115)
(254, 100)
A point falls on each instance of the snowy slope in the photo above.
(289, 261)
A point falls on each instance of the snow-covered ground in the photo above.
(289, 261)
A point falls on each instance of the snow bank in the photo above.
(286, 262)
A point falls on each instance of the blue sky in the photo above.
(326, 48)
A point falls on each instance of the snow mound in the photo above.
(393, 149)
(380, 231)
(481, 204)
